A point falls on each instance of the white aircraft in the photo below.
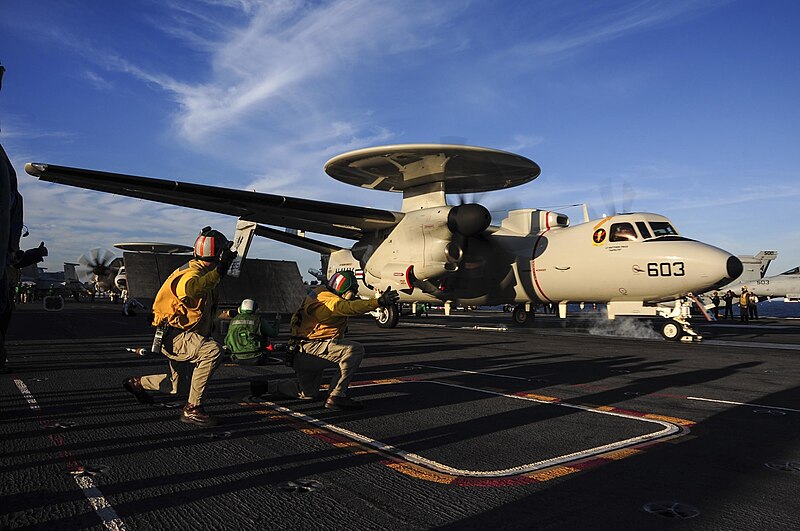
(786, 285)
(434, 252)
(755, 267)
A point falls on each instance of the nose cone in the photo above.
(716, 267)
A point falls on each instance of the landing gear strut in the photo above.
(676, 325)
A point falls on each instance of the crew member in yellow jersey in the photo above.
(184, 308)
(318, 328)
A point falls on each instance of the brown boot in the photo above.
(342, 402)
(195, 414)
(134, 386)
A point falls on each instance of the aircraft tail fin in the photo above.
(70, 273)
(755, 267)
(765, 257)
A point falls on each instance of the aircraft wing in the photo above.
(345, 221)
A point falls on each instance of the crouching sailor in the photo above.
(318, 343)
(183, 313)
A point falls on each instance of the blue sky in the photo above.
(691, 105)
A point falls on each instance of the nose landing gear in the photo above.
(676, 325)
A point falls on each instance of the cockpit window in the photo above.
(622, 232)
(645, 232)
(662, 228)
(792, 271)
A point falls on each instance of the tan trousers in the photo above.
(192, 360)
(317, 356)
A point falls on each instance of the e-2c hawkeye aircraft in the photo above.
(452, 254)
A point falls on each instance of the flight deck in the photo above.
(469, 423)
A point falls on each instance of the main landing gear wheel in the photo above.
(388, 317)
(80, 296)
(521, 316)
(671, 330)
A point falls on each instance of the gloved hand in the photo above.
(225, 261)
(388, 298)
(31, 256)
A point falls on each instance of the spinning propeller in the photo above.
(609, 196)
(97, 266)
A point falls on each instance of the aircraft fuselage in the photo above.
(535, 256)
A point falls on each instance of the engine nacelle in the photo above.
(398, 276)
(420, 247)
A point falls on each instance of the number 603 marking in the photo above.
(665, 269)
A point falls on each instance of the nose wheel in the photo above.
(678, 329)
(671, 330)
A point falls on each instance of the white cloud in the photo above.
(282, 57)
(99, 82)
(581, 26)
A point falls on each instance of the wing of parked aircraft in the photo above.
(344, 221)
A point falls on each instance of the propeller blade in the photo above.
(106, 258)
(505, 207)
(95, 265)
(607, 194)
(610, 197)
(628, 195)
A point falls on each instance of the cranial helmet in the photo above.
(248, 306)
(210, 244)
(342, 282)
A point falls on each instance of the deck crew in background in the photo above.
(744, 303)
(248, 335)
(728, 298)
(715, 302)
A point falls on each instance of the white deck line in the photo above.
(99, 504)
(762, 406)
(668, 430)
(464, 371)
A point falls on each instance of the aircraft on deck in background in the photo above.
(755, 267)
(786, 285)
(99, 269)
(64, 283)
(452, 254)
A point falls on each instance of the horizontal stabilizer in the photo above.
(298, 241)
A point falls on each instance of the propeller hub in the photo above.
(468, 219)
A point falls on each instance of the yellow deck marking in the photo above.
(673, 420)
(621, 454)
(540, 397)
(553, 473)
(421, 473)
